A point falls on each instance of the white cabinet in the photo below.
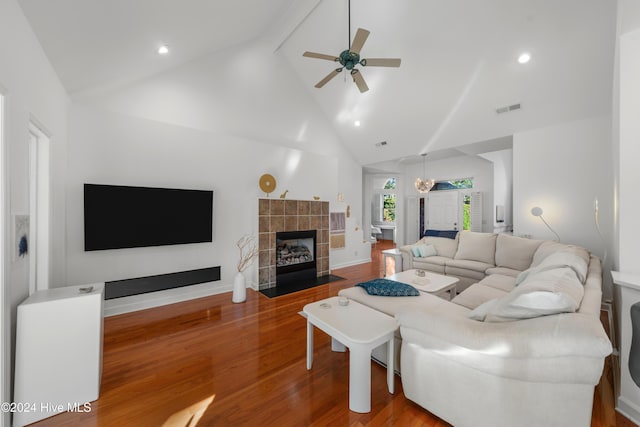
(58, 352)
(628, 294)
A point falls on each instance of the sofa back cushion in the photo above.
(515, 252)
(444, 246)
(477, 247)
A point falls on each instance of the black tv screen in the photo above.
(118, 216)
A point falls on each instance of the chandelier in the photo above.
(423, 186)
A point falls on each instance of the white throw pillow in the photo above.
(549, 292)
(556, 260)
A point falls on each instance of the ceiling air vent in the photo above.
(381, 144)
(508, 108)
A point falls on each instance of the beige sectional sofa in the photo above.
(522, 344)
(472, 256)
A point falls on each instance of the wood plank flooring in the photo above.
(209, 362)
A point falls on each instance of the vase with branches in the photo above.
(248, 253)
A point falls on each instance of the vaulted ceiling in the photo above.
(459, 59)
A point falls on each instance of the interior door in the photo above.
(412, 225)
(443, 210)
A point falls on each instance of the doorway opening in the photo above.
(39, 208)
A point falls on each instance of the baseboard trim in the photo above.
(628, 409)
(352, 263)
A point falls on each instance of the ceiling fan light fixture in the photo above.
(350, 57)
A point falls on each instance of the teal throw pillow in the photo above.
(423, 251)
(389, 288)
(427, 251)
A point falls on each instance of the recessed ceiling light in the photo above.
(524, 58)
(163, 50)
(357, 123)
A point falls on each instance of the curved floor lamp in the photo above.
(537, 211)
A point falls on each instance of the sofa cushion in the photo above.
(466, 264)
(504, 271)
(432, 263)
(389, 288)
(480, 312)
(477, 294)
(444, 247)
(548, 292)
(477, 247)
(515, 252)
(499, 281)
(452, 270)
(433, 260)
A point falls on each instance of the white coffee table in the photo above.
(359, 328)
(433, 283)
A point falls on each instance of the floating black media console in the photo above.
(142, 285)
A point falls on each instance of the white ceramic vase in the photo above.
(239, 289)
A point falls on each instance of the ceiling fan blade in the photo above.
(320, 56)
(381, 62)
(328, 77)
(359, 80)
(358, 40)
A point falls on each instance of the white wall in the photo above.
(32, 91)
(625, 110)
(219, 122)
(246, 91)
(562, 169)
(111, 148)
(502, 186)
(629, 173)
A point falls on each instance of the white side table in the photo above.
(396, 255)
(58, 351)
(628, 400)
(361, 329)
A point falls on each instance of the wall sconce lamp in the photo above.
(537, 211)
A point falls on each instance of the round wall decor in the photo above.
(267, 183)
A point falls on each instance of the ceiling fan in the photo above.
(350, 58)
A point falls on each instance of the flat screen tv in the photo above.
(117, 216)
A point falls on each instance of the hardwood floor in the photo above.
(224, 364)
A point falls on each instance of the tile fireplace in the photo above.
(284, 253)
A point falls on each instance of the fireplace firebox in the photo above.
(295, 257)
